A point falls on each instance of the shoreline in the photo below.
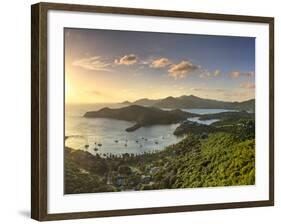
(185, 164)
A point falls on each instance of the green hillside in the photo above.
(218, 159)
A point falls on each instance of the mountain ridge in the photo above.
(193, 102)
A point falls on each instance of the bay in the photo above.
(108, 136)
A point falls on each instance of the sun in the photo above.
(68, 91)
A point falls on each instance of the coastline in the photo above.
(186, 164)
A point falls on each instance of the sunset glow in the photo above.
(114, 66)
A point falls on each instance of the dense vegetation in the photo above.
(239, 123)
(143, 116)
(222, 156)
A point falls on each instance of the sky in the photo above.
(103, 66)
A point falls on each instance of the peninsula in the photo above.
(143, 116)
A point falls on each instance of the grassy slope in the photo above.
(221, 160)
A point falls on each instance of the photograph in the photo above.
(153, 111)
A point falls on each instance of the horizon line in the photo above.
(131, 101)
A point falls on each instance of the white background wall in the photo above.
(15, 112)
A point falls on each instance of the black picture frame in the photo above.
(39, 108)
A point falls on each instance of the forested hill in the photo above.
(143, 116)
(194, 102)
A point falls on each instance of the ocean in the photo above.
(108, 136)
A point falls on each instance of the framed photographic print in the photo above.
(138, 111)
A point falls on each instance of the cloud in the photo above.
(200, 89)
(217, 73)
(248, 85)
(98, 93)
(160, 63)
(126, 60)
(207, 74)
(237, 74)
(95, 92)
(220, 90)
(144, 62)
(92, 63)
(204, 74)
(182, 69)
(239, 95)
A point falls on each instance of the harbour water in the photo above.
(108, 136)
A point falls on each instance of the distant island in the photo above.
(193, 102)
(143, 116)
(146, 112)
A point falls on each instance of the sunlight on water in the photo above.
(105, 136)
(206, 122)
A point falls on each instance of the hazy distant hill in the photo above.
(245, 105)
(143, 116)
(187, 102)
(142, 102)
